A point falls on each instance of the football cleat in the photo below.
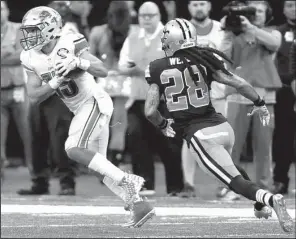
(279, 206)
(265, 212)
(141, 212)
(131, 184)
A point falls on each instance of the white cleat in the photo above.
(279, 206)
(132, 185)
(265, 212)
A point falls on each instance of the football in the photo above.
(74, 73)
(62, 54)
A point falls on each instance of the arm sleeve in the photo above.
(80, 44)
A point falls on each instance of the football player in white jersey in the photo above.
(61, 63)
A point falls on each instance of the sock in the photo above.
(102, 165)
(264, 197)
(113, 186)
(244, 187)
(258, 205)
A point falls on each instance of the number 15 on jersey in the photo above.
(181, 92)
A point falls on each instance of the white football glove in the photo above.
(168, 130)
(264, 114)
(64, 66)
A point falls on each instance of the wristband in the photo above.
(163, 124)
(259, 102)
(54, 83)
(84, 64)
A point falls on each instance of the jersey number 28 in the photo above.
(177, 96)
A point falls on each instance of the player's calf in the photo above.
(260, 209)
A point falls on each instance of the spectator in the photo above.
(74, 14)
(14, 100)
(170, 7)
(106, 42)
(132, 11)
(209, 34)
(80, 11)
(140, 47)
(253, 49)
(285, 118)
(63, 8)
(51, 121)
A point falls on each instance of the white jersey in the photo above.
(213, 38)
(80, 86)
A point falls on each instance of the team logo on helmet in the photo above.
(44, 14)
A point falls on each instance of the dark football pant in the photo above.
(212, 147)
(144, 141)
(284, 135)
(51, 121)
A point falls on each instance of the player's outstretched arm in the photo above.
(245, 89)
(38, 92)
(240, 84)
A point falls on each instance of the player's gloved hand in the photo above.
(260, 107)
(56, 81)
(64, 66)
(166, 128)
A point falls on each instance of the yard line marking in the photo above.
(95, 225)
(113, 210)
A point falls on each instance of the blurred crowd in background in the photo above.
(125, 35)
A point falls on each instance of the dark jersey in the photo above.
(188, 102)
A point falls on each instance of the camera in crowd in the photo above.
(233, 11)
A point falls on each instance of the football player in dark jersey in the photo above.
(184, 78)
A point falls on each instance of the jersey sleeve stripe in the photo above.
(81, 45)
(80, 39)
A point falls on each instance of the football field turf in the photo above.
(95, 213)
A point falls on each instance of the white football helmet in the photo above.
(178, 34)
(39, 26)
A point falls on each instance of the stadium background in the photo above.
(97, 17)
